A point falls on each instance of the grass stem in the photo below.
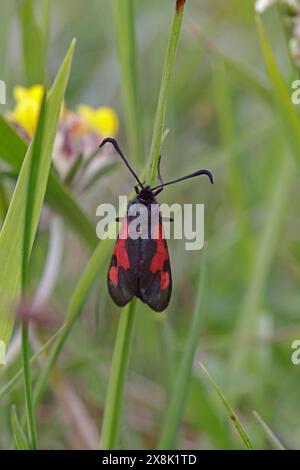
(163, 93)
(115, 390)
(31, 425)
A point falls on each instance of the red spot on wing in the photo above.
(120, 252)
(158, 260)
(114, 275)
(164, 280)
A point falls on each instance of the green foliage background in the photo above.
(228, 113)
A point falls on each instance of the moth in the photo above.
(140, 266)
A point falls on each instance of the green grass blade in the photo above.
(104, 171)
(7, 10)
(163, 93)
(11, 240)
(45, 6)
(233, 417)
(124, 15)
(61, 200)
(282, 94)
(13, 150)
(228, 137)
(263, 256)
(32, 186)
(176, 403)
(267, 242)
(9, 385)
(81, 291)
(33, 40)
(241, 70)
(30, 416)
(117, 377)
(269, 433)
(73, 171)
(20, 438)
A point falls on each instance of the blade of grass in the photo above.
(9, 385)
(243, 71)
(177, 401)
(282, 94)
(225, 114)
(33, 40)
(73, 170)
(267, 243)
(114, 397)
(264, 253)
(233, 417)
(163, 92)
(124, 16)
(269, 433)
(20, 438)
(32, 184)
(10, 238)
(7, 10)
(115, 389)
(77, 300)
(99, 174)
(13, 150)
(31, 187)
(30, 416)
(45, 6)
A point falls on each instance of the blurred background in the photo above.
(220, 116)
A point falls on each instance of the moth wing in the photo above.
(155, 283)
(122, 277)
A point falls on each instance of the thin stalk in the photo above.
(177, 400)
(31, 425)
(9, 385)
(163, 93)
(264, 254)
(29, 208)
(228, 138)
(269, 433)
(127, 48)
(243, 434)
(115, 390)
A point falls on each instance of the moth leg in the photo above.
(136, 188)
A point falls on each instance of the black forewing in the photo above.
(122, 277)
(155, 279)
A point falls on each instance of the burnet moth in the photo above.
(140, 265)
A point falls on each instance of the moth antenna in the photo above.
(159, 172)
(191, 175)
(117, 148)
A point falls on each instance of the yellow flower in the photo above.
(102, 120)
(26, 110)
